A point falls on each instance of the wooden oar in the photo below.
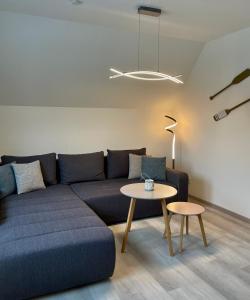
(243, 75)
(222, 114)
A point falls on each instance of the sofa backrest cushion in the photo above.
(118, 162)
(47, 161)
(81, 167)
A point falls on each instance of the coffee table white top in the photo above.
(137, 191)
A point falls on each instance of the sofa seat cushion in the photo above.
(50, 241)
(105, 198)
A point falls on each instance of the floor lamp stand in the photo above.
(173, 148)
(173, 163)
(168, 128)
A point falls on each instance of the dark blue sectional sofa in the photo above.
(57, 238)
(111, 206)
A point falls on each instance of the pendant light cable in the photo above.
(159, 26)
(139, 40)
(146, 74)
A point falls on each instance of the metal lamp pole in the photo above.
(169, 129)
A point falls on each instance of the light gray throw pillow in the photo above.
(28, 177)
(134, 166)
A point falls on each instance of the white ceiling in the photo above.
(47, 62)
(50, 62)
(199, 20)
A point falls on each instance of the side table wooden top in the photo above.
(185, 208)
(137, 191)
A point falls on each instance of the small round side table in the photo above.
(160, 193)
(186, 209)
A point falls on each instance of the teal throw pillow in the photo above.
(154, 168)
(7, 181)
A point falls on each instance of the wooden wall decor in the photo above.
(242, 76)
(222, 114)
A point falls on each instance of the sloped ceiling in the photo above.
(53, 53)
(200, 20)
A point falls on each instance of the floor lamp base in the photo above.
(173, 163)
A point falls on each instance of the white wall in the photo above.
(33, 130)
(217, 154)
(47, 62)
(56, 95)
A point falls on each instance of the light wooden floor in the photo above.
(145, 271)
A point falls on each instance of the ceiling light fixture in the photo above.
(146, 75)
(76, 2)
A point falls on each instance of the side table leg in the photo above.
(169, 220)
(168, 231)
(129, 221)
(202, 231)
(187, 225)
(181, 232)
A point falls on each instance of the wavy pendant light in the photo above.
(145, 74)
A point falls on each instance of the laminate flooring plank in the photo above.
(147, 272)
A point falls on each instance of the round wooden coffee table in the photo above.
(160, 193)
(186, 209)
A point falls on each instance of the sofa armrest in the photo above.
(180, 181)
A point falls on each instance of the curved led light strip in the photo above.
(168, 128)
(146, 75)
(172, 125)
(143, 75)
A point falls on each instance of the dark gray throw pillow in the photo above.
(118, 162)
(47, 162)
(7, 181)
(154, 168)
(81, 167)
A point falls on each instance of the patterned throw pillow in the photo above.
(7, 181)
(28, 177)
(154, 168)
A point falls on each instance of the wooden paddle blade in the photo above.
(242, 76)
(222, 114)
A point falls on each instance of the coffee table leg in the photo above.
(129, 221)
(187, 225)
(169, 220)
(168, 231)
(202, 231)
(181, 232)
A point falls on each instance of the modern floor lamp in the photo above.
(169, 129)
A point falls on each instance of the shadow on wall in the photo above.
(200, 187)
